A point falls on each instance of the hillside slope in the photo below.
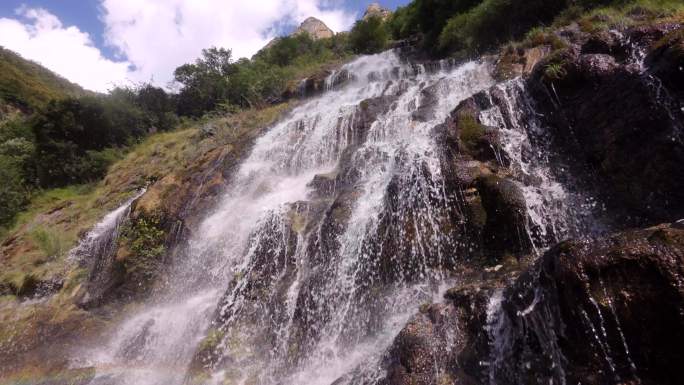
(28, 85)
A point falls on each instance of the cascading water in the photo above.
(333, 231)
(96, 251)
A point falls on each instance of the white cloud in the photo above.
(159, 35)
(153, 37)
(41, 37)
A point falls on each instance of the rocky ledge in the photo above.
(578, 314)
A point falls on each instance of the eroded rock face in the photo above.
(620, 119)
(443, 343)
(315, 28)
(376, 10)
(603, 312)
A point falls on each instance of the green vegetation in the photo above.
(369, 36)
(555, 71)
(470, 131)
(147, 237)
(28, 85)
(216, 81)
(74, 141)
(50, 242)
(19, 284)
(471, 27)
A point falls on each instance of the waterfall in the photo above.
(97, 249)
(335, 228)
(99, 240)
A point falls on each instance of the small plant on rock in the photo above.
(555, 71)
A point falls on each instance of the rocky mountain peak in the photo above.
(376, 10)
(315, 28)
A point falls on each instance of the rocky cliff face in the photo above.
(315, 28)
(578, 314)
(375, 10)
(617, 107)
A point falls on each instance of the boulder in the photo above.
(506, 212)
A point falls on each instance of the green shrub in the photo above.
(17, 283)
(145, 238)
(369, 36)
(402, 23)
(51, 243)
(555, 71)
(74, 137)
(13, 192)
(493, 22)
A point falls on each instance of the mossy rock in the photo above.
(471, 131)
(475, 139)
(142, 245)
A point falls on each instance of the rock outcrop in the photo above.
(618, 118)
(376, 10)
(315, 28)
(578, 316)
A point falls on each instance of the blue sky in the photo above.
(102, 43)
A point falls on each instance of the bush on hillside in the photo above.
(402, 23)
(204, 83)
(369, 36)
(493, 22)
(248, 83)
(13, 192)
(73, 137)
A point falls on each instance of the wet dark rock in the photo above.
(324, 184)
(621, 128)
(505, 206)
(442, 344)
(464, 131)
(596, 66)
(604, 312)
(608, 43)
(428, 101)
(316, 83)
(579, 315)
(666, 62)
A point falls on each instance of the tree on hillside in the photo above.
(204, 82)
(369, 36)
(73, 137)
